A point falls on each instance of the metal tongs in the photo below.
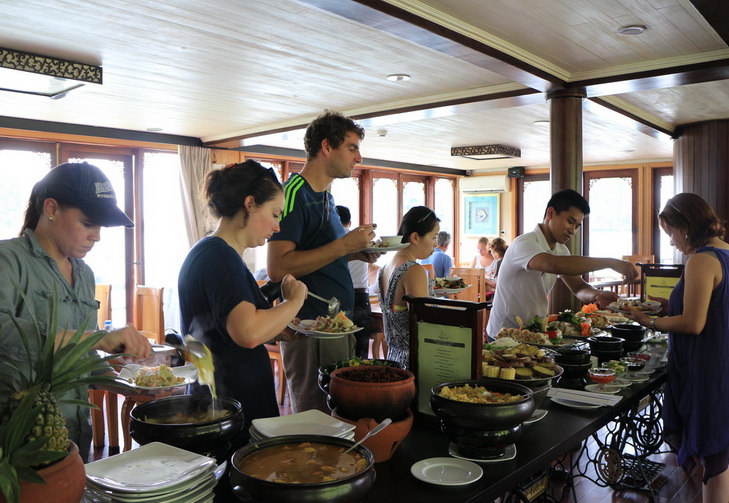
(332, 303)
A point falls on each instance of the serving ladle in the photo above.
(190, 345)
(332, 303)
(374, 431)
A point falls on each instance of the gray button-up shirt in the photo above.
(29, 281)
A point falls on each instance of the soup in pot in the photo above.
(305, 463)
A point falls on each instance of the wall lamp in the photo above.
(28, 73)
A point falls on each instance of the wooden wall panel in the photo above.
(701, 162)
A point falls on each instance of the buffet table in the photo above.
(551, 438)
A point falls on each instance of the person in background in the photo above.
(442, 262)
(483, 258)
(695, 409)
(404, 276)
(535, 260)
(498, 248)
(63, 221)
(362, 315)
(314, 246)
(220, 302)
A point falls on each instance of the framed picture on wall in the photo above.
(481, 214)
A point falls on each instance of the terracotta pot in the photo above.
(65, 481)
(383, 444)
(377, 400)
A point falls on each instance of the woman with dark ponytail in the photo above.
(220, 301)
(404, 276)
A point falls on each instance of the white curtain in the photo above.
(195, 162)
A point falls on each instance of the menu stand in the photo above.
(446, 340)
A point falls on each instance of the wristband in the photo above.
(652, 324)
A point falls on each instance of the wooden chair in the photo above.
(104, 400)
(430, 270)
(148, 312)
(476, 277)
(471, 276)
(634, 289)
(274, 353)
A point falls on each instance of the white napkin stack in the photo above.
(586, 397)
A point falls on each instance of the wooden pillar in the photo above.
(701, 162)
(566, 170)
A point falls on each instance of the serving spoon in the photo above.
(333, 303)
(374, 431)
(191, 345)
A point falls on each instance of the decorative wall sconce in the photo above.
(486, 152)
(28, 73)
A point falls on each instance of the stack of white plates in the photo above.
(155, 472)
(310, 422)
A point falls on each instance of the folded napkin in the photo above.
(586, 397)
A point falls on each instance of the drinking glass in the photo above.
(602, 376)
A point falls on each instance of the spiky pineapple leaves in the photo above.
(17, 457)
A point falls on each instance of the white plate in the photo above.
(380, 249)
(654, 307)
(574, 404)
(188, 372)
(147, 468)
(446, 291)
(621, 382)
(304, 327)
(446, 471)
(191, 490)
(637, 378)
(608, 388)
(310, 422)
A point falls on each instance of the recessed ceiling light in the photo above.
(154, 129)
(541, 123)
(632, 29)
(398, 77)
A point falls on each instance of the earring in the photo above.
(51, 219)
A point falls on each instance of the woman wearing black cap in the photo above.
(65, 213)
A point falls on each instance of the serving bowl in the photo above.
(483, 430)
(345, 490)
(630, 332)
(209, 437)
(356, 395)
(600, 343)
(325, 370)
(571, 356)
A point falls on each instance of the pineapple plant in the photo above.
(32, 427)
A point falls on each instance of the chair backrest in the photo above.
(639, 259)
(103, 295)
(430, 270)
(148, 311)
(658, 280)
(471, 276)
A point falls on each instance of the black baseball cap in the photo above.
(85, 186)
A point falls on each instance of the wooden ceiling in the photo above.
(235, 73)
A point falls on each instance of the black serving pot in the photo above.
(325, 370)
(480, 416)
(210, 437)
(630, 332)
(346, 490)
(572, 356)
(601, 343)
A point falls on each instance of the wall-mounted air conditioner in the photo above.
(487, 183)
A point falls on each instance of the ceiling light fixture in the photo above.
(632, 29)
(486, 152)
(398, 77)
(542, 122)
(28, 73)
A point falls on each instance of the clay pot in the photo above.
(355, 399)
(65, 481)
(383, 444)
